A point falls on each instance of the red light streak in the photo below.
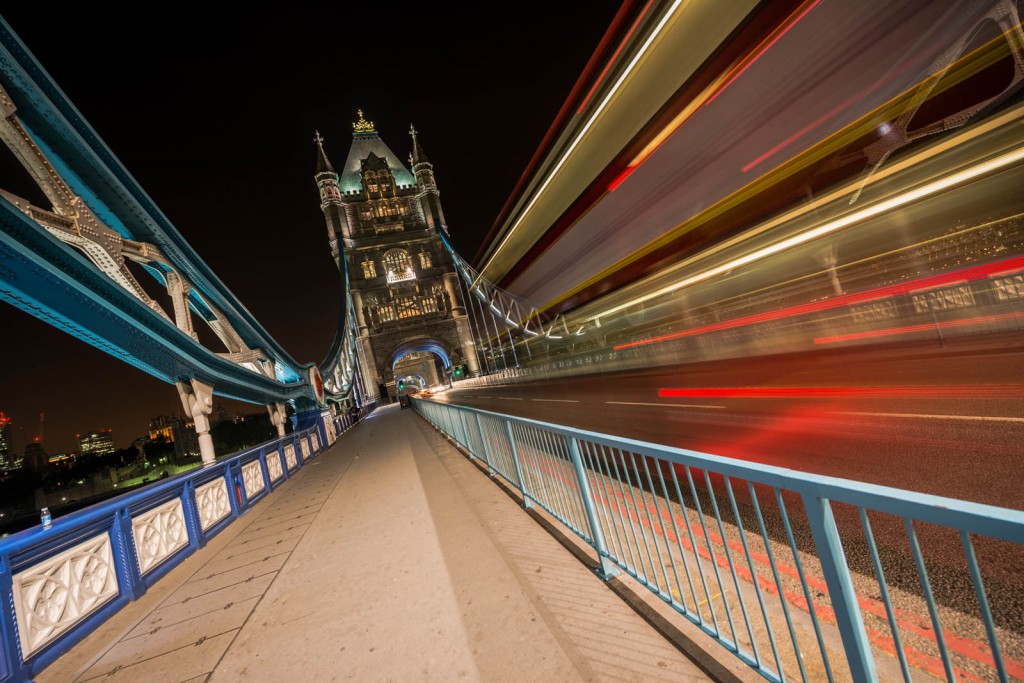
(607, 66)
(759, 53)
(622, 177)
(915, 328)
(988, 391)
(845, 105)
(965, 275)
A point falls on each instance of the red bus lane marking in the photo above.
(884, 642)
(965, 647)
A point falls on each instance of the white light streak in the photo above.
(586, 127)
(896, 202)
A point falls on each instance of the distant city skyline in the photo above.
(20, 434)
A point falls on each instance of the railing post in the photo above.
(279, 454)
(191, 509)
(463, 435)
(483, 441)
(12, 666)
(126, 556)
(840, 588)
(520, 480)
(607, 570)
(449, 422)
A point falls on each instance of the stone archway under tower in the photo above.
(426, 358)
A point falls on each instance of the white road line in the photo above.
(508, 398)
(555, 400)
(662, 405)
(936, 417)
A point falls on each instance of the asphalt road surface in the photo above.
(942, 420)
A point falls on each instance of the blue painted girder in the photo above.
(92, 171)
(44, 277)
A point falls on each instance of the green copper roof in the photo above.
(362, 145)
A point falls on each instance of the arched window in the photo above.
(424, 259)
(398, 266)
(371, 182)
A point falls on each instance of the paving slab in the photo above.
(390, 557)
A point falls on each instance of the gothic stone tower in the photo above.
(382, 224)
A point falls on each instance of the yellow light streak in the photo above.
(586, 128)
(896, 202)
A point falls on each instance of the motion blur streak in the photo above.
(583, 131)
(965, 275)
(756, 55)
(990, 391)
(714, 89)
(833, 113)
(611, 60)
(882, 207)
(917, 328)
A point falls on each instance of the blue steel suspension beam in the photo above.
(44, 277)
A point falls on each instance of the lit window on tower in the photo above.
(369, 269)
(398, 266)
(407, 307)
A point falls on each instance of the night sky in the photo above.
(215, 116)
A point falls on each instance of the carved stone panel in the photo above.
(274, 465)
(54, 595)
(289, 456)
(252, 477)
(159, 533)
(213, 503)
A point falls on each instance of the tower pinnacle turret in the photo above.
(425, 183)
(330, 199)
(418, 157)
(323, 164)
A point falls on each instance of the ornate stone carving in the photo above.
(274, 465)
(213, 502)
(54, 595)
(159, 533)
(316, 442)
(252, 477)
(289, 456)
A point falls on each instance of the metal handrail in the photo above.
(709, 535)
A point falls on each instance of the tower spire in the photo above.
(331, 202)
(323, 164)
(418, 157)
(425, 183)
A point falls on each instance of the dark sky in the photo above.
(214, 116)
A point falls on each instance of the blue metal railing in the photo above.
(61, 583)
(800, 576)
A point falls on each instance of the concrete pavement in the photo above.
(391, 557)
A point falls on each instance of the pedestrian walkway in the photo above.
(390, 557)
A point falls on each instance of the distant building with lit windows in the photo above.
(8, 461)
(182, 433)
(96, 443)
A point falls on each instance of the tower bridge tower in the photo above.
(382, 226)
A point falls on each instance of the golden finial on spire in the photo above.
(362, 125)
(317, 138)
